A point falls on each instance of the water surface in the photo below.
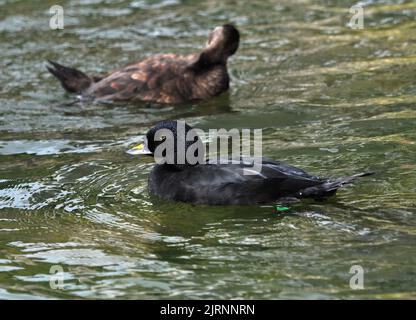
(330, 99)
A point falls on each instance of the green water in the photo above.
(330, 99)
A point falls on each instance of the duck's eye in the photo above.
(162, 138)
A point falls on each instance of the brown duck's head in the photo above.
(222, 43)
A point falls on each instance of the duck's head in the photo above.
(222, 43)
(172, 142)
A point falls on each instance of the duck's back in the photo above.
(164, 78)
(217, 184)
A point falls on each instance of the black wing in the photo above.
(236, 183)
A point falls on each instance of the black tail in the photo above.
(72, 80)
(330, 187)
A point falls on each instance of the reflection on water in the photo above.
(329, 99)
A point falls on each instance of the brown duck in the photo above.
(162, 78)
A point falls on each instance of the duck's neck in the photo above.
(211, 82)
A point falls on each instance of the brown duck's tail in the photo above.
(330, 187)
(72, 80)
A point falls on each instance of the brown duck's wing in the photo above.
(157, 78)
